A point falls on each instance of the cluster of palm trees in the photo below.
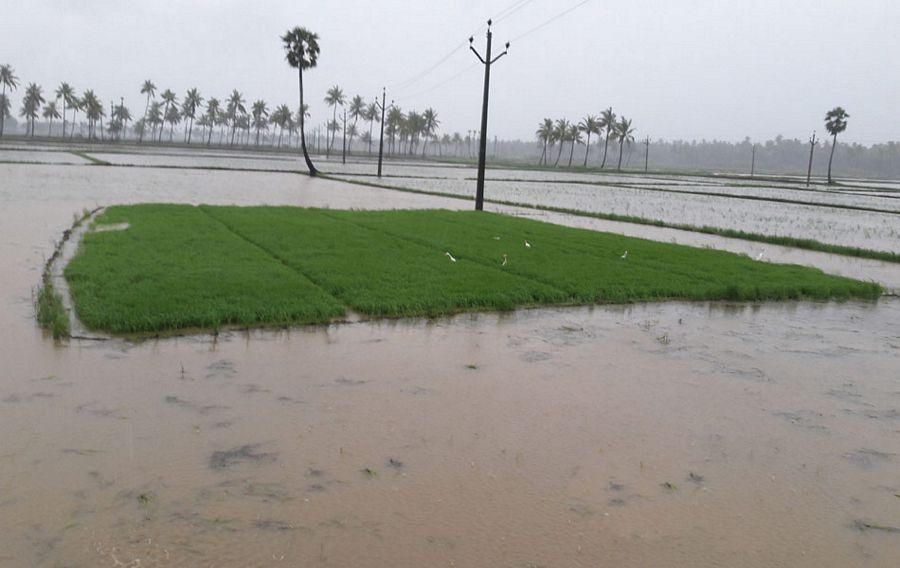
(561, 131)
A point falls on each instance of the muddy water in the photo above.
(649, 435)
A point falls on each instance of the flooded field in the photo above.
(644, 435)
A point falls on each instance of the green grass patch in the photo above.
(51, 314)
(179, 267)
(94, 161)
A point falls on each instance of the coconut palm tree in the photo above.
(608, 122)
(212, 116)
(302, 52)
(154, 117)
(333, 98)
(9, 80)
(299, 118)
(149, 89)
(4, 107)
(574, 137)
(560, 134)
(624, 133)
(233, 111)
(173, 117)
(50, 112)
(373, 115)
(93, 110)
(122, 115)
(77, 105)
(590, 125)
(430, 124)
(544, 133)
(31, 103)
(171, 100)
(835, 123)
(457, 142)
(356, 110)
(260, 117)
(65, 92)
(279, 118)
(192, 101)
(392, 123)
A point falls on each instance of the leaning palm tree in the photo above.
(302, 52)
(234, 110)
(192, 100)
(560, 134)
(372, 115)
(7, 79)
(149, 89)
(624, 133)
(122, 115)
(154, 117)
(66, 93)
(31, 104)
(835, 123)
(333, 98)
(171, 99)
(279, 118)
(544, 133)
(574, 137)
(93, 110)
(212, 116)
(173, 117)
(607, 121)
(50, 112)
(590, 125)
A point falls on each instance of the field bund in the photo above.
(165, 268)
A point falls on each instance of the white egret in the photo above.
(504, 260)
(450, 256)
(527, 245)
(625, 255)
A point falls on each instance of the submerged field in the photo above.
(170, 267)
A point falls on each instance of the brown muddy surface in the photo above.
(649, 435)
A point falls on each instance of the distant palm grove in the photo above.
(351, 125)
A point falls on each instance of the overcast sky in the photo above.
(681, 69)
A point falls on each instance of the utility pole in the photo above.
(753, 162)
(812, 146)
(381, 138)
(482, 146)
(121, 114)
(646, 154)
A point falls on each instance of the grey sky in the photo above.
(689, 69)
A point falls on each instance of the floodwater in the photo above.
(670, 434)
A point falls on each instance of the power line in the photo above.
(441, 84)
(510, 10)
(550, 20)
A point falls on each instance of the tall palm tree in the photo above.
(279, 118)
(624, 133)
(835, 123)
(7, 79)
(50, 112)
(173, 117)
(149, 89)
(192, 101)
(77, 105)
(93, 110)
(31, 103)
(574, 137)
(234, 109)
(561, 134)
(170, 99)
(430, 124)
(392, 124)
(544, 133)
(297, 120)
(457, 142)
(333, 98)
(607, 121)
(260, 117)
(212, 116)
(4, 107)
(372, 115)
(590, 125)
(122, 115)
(356, 110)
(302, 52)
(65, 92)
(154, 117)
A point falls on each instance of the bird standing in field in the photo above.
(759, 256)
(624, 256)
(450, 256)
(527, 245)
(504, 260)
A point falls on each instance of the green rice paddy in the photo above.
(181, 267)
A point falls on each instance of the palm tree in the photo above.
(260, 117)
(93, 110)
(356, 111)
(211, 116)
(76, 104)
(590, 125)
(302, 52)
(392, 124)
(7, 79)
(607, 121)
(372, 115)
(31, 104)
(624, 133)
(835, 123)
(66, 93)
(544, 133)
(192, 100)
(430, 124)
(561, 134)
(574, 136)
(280, 117)
(234, 109)
(154, 117)
(171, 100)
(4, 107)
(333, 98)
(173, 117)
(122, 115)
(50, 112)
(457, 142)
(297, 120)
(149, 89)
